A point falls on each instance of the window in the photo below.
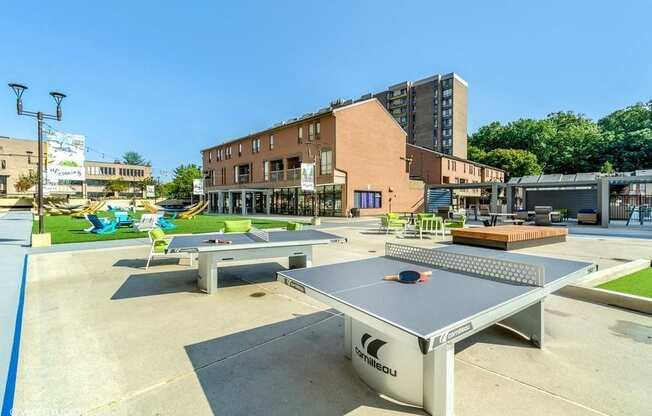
(445, 179)
(235, 174)
(311, 132)
(454, 165)
(446, 113)
(266, 170)
(447, 132)
(300, 134)
(447, 102)
(255, 145)
(239, 149)
(209, 156)
(367, 199)
(271, 142)
(3, 164)
(318, 129)
(447, 93)
(326, 162)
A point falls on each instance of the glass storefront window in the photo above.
(294, 201)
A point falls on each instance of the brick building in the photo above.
(20, 157)
(360, 163)
(439, 168)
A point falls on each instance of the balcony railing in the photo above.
(276, 176)
(293, 174)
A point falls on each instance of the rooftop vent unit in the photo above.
(365, 96)
(337, 103)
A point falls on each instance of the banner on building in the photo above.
(308, 176)
(198, 187)
(150, 191)
(65, 156)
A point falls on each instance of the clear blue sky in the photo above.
(169, 78)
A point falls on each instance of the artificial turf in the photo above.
(638, 283)
(66, 229)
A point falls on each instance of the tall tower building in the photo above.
(432, 111)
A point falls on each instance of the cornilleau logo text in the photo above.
(371, 356)
(447, 336)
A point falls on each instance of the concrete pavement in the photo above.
(104, 337)
(15, 234)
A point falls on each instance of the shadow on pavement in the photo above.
(293, 367)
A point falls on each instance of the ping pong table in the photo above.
(401, 337)
(217, 248)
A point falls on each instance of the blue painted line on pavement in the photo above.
(10, 388)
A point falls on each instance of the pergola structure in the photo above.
(597, 185)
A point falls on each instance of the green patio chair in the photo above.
(457, 223)
(430, 225)
(387, 224)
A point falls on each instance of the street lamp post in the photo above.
(40, 116)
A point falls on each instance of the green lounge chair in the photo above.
(293, 226)
(237, 226)
(160, 243)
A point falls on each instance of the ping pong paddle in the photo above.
(409, 276)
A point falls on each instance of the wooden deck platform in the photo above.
(509, 237)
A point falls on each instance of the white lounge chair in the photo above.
(147, 222)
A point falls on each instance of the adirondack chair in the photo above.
(100, 227)
(123, 219)
(147, 222)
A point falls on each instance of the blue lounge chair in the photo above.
(123, 219)
(100, 227)
(165, 224)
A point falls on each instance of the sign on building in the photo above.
(150, 191)
(308, 176)
(65, 156)
(198, 187)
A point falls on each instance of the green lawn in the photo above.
(66, 229)
(639, 283)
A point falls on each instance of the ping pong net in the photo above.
(258, 235)
(485, 267)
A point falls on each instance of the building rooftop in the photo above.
(334, 105)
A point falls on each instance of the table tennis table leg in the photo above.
(439, 380)
(347, 336)
(301, 260)
(529, 322)
(207, 281)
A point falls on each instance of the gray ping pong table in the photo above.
(401, 337)
(253, 245)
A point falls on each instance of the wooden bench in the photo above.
(509, 237)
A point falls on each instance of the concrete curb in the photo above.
(587, 290)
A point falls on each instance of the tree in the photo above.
(134, 158)
(181, 185)
(607, 168)
(628, 133)
(116, 185)
(513, 161)
(25, 182)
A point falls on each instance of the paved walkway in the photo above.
(15, 234)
